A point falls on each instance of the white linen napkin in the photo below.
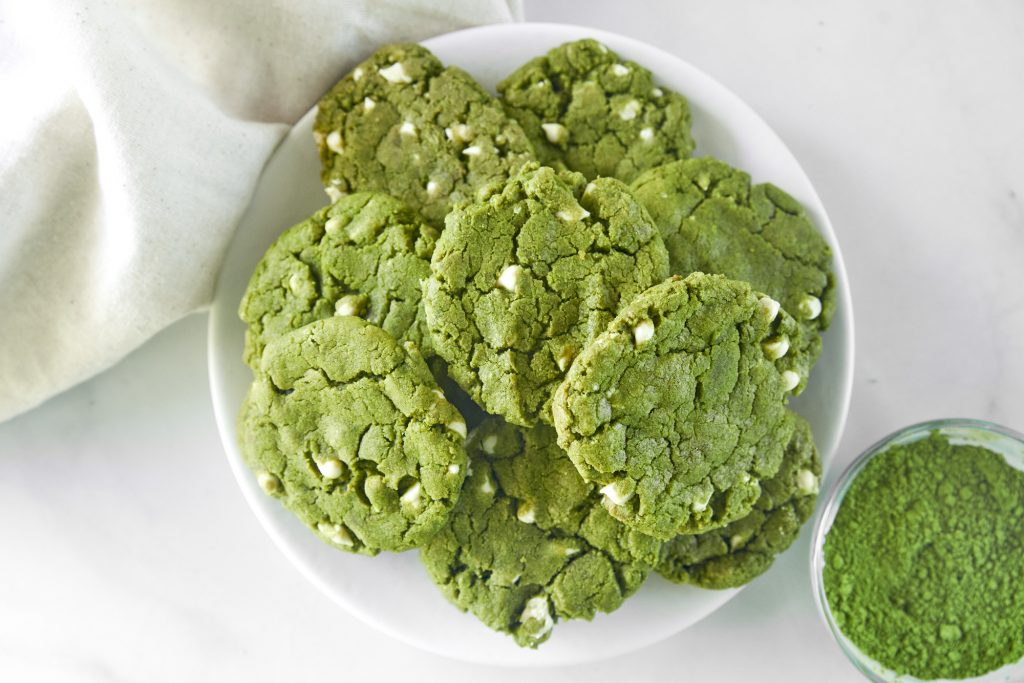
(132, 133)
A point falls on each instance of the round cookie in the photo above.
(348, 429)
(365, 255)
(713, 221)
(529, 543)
(403, 123)
(521, 281)
(678, 408)
(584, 107)
(739, 552)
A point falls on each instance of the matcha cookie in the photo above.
(522, 280)
(738, 553)
(348, 429)
(584, 107)
(404, 124)
(365, 255)
(713, 221)
(678, 408)
(529, 543)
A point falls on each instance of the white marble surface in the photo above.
(129, 554)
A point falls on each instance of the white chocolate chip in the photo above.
(358, 73)
(806, 482)
(578, 214)
(368, 104)
(615, 493)
(295, 283)
(395, 73)
(589, 188)
(347, 305)
(809, 307)
(459, 427)
(770, 307)
(540, 84)
(486, 487)
(490, 443)
(647, 134)
(268, 482)
(702, 505)
(736, 542)
(629, 110)
(334, 142)
(433, 189)
(620, 69)
(564, 359)
(509, 278)
(790, 380)
(537, 608)
(407, 128)
(333, 193)
(657, 92)
(332, 225)
(555, 132)
(439, 394)
(453, 469)
(525, 513)
(472, 151)
(569, 552)
(330, 468)
(776, 348)
(412, 495)
(335, 533)
(460, 132)
(643, 332)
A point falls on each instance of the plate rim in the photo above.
(226, 420)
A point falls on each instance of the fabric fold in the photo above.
(134, 138)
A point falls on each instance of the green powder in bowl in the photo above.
(919, 555)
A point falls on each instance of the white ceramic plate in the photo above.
(392, 592)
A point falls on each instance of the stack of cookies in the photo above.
(536, 340)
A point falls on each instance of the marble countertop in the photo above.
(129, 553)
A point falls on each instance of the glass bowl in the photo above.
(1006, 442)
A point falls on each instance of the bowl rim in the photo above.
(868, 666)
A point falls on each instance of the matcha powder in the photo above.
(924, 564)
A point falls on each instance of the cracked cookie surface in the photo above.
(597, 114)
(678, 409)
(365, 255)
(529, 543)
(713, 221)
(346, 427)
(403, 123)
(522, 280)
(743, 550)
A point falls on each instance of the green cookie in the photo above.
(348, 429)
(529, 543)
(678, 408)
(405, 124)
(712, 221)
(522, 280)
(738, 553)
(583, 106)
(365, 255)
